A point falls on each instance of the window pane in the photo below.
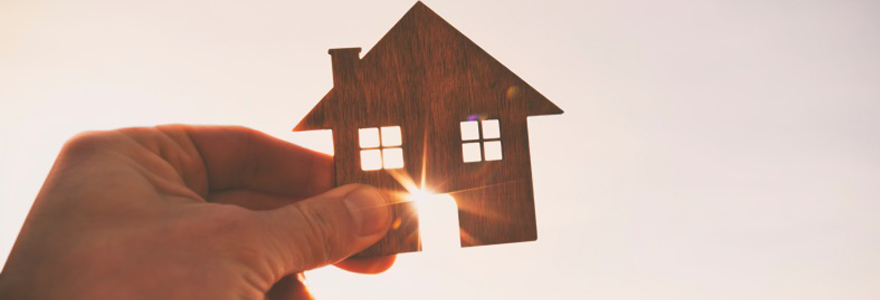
(491, 129)
(470, 131)
(471, 152)
(493, 150)
(393, 158)
(371, 160)
(391, 136)
(369, 137)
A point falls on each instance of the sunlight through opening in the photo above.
(438, 221)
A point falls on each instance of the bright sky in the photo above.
(709, 149)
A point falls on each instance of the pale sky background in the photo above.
(709, 149)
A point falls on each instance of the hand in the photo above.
(187, 212)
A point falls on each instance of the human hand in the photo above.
(189, 212)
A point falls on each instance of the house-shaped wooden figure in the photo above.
(429, 106)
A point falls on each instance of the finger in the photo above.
(239, 157)
(252, 200)
(369, 265)
(326, 228)
(291, 287)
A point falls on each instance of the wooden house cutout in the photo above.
(426, 108)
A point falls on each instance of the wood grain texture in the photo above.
(427, 77)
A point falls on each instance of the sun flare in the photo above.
(423, 194)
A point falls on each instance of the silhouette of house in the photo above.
(427, 103)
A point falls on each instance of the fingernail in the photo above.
(369, 210)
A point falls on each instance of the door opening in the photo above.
(438, 222)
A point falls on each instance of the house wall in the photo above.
(494, 197)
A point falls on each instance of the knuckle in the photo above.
(245, 129)
(237, 228)
(317, 232)
(88, 140)
(140, 134)
(173, 127)
(232, 221)
(320, 235)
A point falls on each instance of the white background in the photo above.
(709, 149)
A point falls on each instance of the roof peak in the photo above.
(422, 45)
(419, 13)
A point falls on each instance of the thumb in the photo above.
(327, 228)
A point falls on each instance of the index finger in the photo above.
(237, 157)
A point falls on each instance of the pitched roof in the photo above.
(418, 39)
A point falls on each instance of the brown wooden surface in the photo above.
(427, 77)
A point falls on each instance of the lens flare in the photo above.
(477, 117)
(424, 194)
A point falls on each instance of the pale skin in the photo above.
(189, 212)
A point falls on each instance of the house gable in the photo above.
(418, 69)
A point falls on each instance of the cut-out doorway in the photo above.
(438, 223)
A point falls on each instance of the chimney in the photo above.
(345, 61)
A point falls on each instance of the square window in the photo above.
(369, 137)
(471, 152)
(493, 150)
(371, 160)
(470, 130)
(391, 136)
(491, 129)
(393, 158)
